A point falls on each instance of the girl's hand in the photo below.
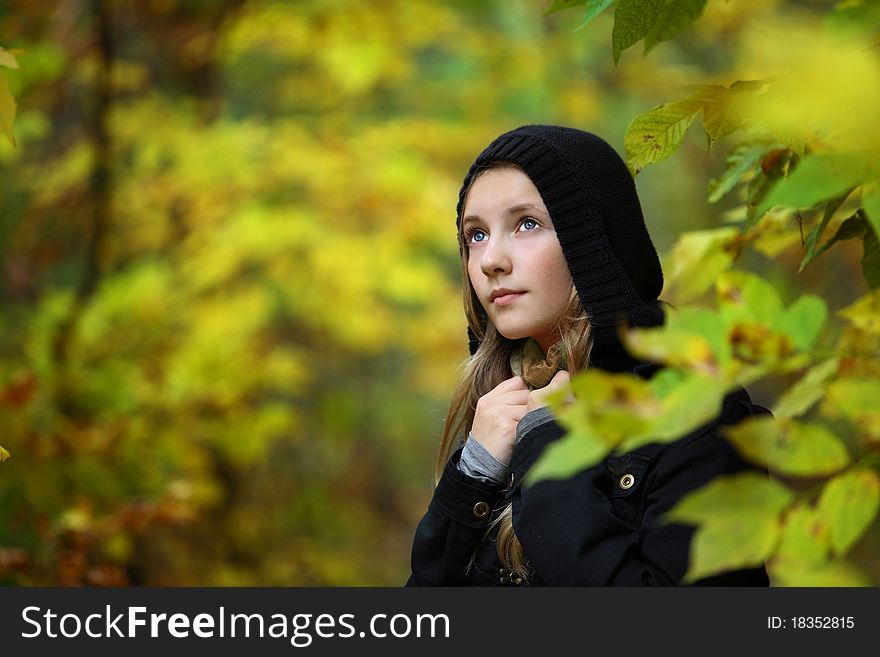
(538, 397)
(497, 414)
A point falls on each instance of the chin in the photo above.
(514, 333)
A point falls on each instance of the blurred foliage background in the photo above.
(231, 317)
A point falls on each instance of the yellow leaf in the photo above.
(804, 536)
(7, 57)
(786, 572)
(4, 455)
(696, 261)
(656, 134)
(855, 399)
(864, 313)
(737, 543)
(788, 446)
(7, 110)
(746, 496)
(799, 398)
(848, 505)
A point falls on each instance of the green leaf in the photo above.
(820, 177)
(854, 21)
(742, 295)
(567, 456)
(562, 5)
(740, 543)
(691, 337)
(815, 235)
(692, 403)
(798, 399)
(856, 399)
(848, 505)
(672, 18)
(756, 191)
(803, 320)
(665, 381)
(740, 162)
(871, 204)
(796, 573)
(853, 226)
(7, 110)
(804, 536)
(656, 134)
(633, 19)
(742, 497)
(789, 447)
(4, 455)
(593, 9)
(871, 259)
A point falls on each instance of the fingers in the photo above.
(513, 383)
(515, 397)
(559, 380)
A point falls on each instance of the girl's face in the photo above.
(512, 245)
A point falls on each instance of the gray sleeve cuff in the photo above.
(476, 462)
(533, 419)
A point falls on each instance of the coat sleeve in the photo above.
(598, 529)
(454, 525)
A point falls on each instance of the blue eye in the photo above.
(470, 235)
(529, 220)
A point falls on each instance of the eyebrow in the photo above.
(511, 210)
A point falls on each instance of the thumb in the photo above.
(560, 378)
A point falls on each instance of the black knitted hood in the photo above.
(592, 200)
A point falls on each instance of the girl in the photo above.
(554, 254)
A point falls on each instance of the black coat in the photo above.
(588, 530)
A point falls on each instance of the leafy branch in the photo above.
(806, 169)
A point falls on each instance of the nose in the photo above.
(495, 258)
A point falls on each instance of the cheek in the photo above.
(553, 269)
(473, 272)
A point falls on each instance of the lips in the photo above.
(502, 291)
(505, 299)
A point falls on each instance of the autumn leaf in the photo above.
(731, 545)
(804, 536)
(848, 504)
(788, 572)
(806, 392)
(7, 110)
(788, 446)
(657, 134)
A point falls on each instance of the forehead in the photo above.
(499, 189)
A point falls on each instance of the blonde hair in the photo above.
(488, 367)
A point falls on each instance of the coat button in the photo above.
(481, 509)
(627, 481)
